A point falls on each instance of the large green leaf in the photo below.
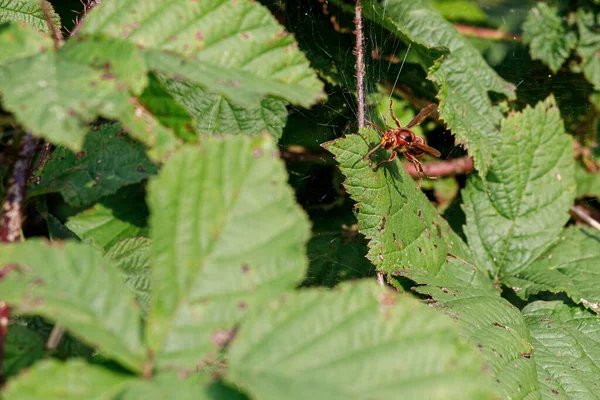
(73, 285)
(227, 235)
(234, 49)
(407, 239)
(464, 77)
(117, 217)
(108, 161)
(75, 379)
(572, 266)
(170, 385)
(215, 114)
(357, 342)
(56, 96)
(24, 11)
(589, 45)
(567, 354)
(522, 205)
(132, 257)
(547, 36)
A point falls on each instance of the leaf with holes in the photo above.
(73, 285)
(520, 208)
(567, 355)
(71, 380)
(356, 342)
(108, 161)
(407, 239)
(226, 236)
(572, 266)
(547, 36)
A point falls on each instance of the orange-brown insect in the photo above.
(403, 140)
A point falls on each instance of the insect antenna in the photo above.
(371, 151)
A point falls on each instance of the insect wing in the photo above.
(427, 149)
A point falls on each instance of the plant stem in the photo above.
(583, 214)
(360, 66)
(86, 8)
(57, 36)
(455, 166)
(486, 33)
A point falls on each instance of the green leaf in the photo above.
(24, 11)
(167, 110)
(73, 285)
(589, 45)
(117, 217)
(356, 342)
(401, 225)
(74, 379)
(215, 114)
(464, 77)
(56, 96)
(170, 385)
(566, 349)
(547, 36)
(22, 348)
(524, 202)
(233, 49)
(407, 239)
(572, 266)
(227, 235)
(588, 183)
(108, 161)
(132, 257)
(461, 11)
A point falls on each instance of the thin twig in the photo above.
(55, 337)
(10, 224)
(57, 36)
(360, 66)
(582, 214)
(455, 166)
(486, 33)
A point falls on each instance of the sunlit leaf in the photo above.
(25, 11)
(226, 236)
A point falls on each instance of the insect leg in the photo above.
(386, 161)
(394, 115)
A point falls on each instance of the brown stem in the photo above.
(57, 36)
(584, 215)
(455, 166)
(486, 33)
(360, 67)
(10, 224)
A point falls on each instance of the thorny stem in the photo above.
(10, 224)
(86, 8)
(360, 66)
(57, 36)
(486, 33)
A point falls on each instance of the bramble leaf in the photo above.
(233, 49)
(572, 266)
(589, 45)
(132, 257)
(22, 348)
(547, 36)
(117, 217)
(226, 236)
(520, 208)
(25, 11)
(73, 285)
(464, 77)
(170, 385)
(356, 342)
(108, 161)
(55, 96)
(408, 239)
(74, 379)
(567, 355)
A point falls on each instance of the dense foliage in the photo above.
(188, 211)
